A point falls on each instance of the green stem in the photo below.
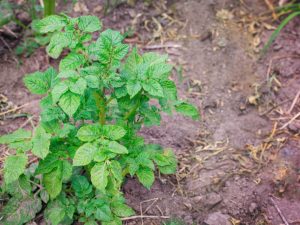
(277, 31)
(133, 109)
(49, 7)
(109, 100)
(101, 104)
(32, 10)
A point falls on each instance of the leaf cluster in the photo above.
(87, 141)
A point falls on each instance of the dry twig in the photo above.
(290, 121)
(12, 110)
(279, 212)
(153, 47)
(145, 217)
(294, 103)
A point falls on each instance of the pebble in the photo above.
(253, 208)
(217, 218)
(294, 127)
(212, 199)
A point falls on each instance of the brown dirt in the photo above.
(218, 171)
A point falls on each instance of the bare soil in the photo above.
(236, 166)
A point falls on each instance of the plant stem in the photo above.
(49, 7)
(133, 109)
(101, 104)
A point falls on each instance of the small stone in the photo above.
(197, 199)
(217, 218)
(277, 47)
(222, 42)
(212, 199)
(253, 208)
(294, 127)
(98, 9)
(243, 107)
(224, 14)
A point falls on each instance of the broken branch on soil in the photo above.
(290, 121)
(294, 103)
(13, 110)
(145, 217)
(271, 7)
(275, 107)
(153, 47)
(279, 212)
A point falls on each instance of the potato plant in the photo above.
(87, 140)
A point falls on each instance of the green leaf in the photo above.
(89, 133)
(115, 147)
(166, 161)
(46, 102)
(144, 162)
(92, 81)
(103, 213)
(84, 154)
(20, 211)
(103, 154)
(55, 212)
(81, 186)
(69, 102)
(67, 171)
(19, 188)
(58, 91)
(53, 182)
(122, 210)
(95, 70)
(113, 132)
(44, 196)
(132, 61)
(152, 116)
(120, 51)
(51, 127)
(48, 164)
(116, 170)
(145, 176)
(169, 169)
(99, 176)
(66, 130)
(153, 88)
(153, 58)
(133, 87)
(67, 74)
(120, 92)
(187, 110)
(52, 113)
(51, 77)
(169, 88)
(18, 135)
(91, 222)
(50, 24)
(116, 221)
(71, 62)
(41, 142)
(111, 36)
(57, 43)
(109, 49)
(89, 23)
(133, 166)
(21, 145)
(14, 166)
(79, 86)
(36, 83)
(162, 70)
